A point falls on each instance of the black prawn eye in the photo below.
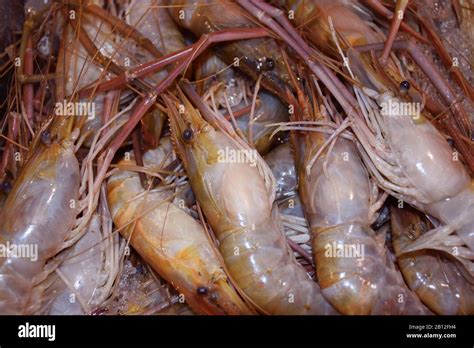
(269, 64)
(188, 134)
(202, 290)
(404, 86)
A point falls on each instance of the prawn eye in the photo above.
(269, 64)
(202, 290)
(46, 137)
(6, 186)
(404, 86)
(188, 134)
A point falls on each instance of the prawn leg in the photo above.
(394, 26)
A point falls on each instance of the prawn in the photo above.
(237, 200)
(415, 164)
(170, 240)
(43, 194)
(352, 266)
